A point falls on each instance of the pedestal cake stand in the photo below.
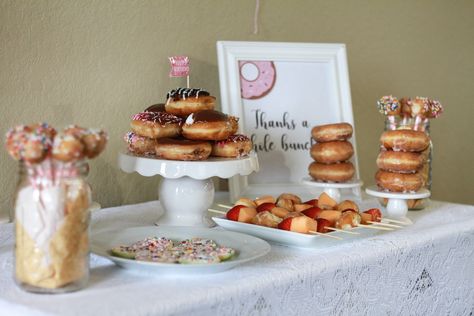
(187, 190)
(397, 206)
(333, 189)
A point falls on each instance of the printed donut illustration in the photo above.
(257, 78)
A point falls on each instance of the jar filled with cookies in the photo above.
(411, 114)
(52, 205)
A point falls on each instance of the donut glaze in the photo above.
(262, 85)
(160, 107)
(182, 149)
(234, 146)
(338, 172)
(331, 152)
(210, 125)
(184, 101)
(405, 140)
(398, 182)
(399, 161)
(156, 124)
(332, 132)
(140, 145)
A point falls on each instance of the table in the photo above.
(424, 269)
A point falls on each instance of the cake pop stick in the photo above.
(389, 106)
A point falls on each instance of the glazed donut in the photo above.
(94, 140)
(210, 125)
(68, 147)
(399, 161)
(234, 146)
(398, 182)
(182, 149)
(332, 132)
(255, 88)
(405, 140)
(338, 172)
(160, 107)
(30, 143)
(156, 124)
(184, 101)
(140, 145)
(331, 152)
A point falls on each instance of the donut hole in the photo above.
(249, 71)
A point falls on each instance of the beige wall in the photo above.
(95, 63)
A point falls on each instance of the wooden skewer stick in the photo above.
(324, 235)
(394, 221)
(342, 231)
(385, 224)
(374, 227)
(223, 205)
(216, 211)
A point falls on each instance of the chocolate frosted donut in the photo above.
(156, 124)
(332, 132)
(210, 125)
(331, 152)
(160, 107)
(399, 161)
(234, 146)
(182, 149)
(184, 101)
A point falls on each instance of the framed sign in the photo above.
(280, 91)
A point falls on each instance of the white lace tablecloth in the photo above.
(424, 269)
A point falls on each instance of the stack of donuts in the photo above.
(186, 127)
(331, 153)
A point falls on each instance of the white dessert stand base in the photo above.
(187, 190)
(397, 206)
(333, 189)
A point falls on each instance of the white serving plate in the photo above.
(247, 247)
(294, 239)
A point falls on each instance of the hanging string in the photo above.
(255, 17)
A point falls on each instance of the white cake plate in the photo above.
(333, 189)
(187, 190)
(397, 206)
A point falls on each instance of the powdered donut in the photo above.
(156, 124)
(399, 161)
(405, 140)
(140, 145)
(331, 152)
(398, 182)
(184, 101)
(338, 172)
(234, 146)
(182, 149)
(210, 125)
(332, 132)
(262, 84)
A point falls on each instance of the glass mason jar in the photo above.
(52, 227)
(422, 125)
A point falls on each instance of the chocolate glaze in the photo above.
(161, 118)
(209, 116)
(234, 139)
(160, 107)
(178, 141)
(183, 93)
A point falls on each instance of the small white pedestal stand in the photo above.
(187, 190)
(397, 206)
(333, 189)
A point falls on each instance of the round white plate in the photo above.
(247, 247)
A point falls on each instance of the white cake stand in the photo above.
(187, 190)
(333, 189)
(397, 202)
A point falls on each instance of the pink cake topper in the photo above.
(179, 66)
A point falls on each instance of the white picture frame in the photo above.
(322, 73)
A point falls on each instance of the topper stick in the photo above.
(187, 81)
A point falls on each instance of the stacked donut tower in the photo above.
(331, 153)
(186, 127)
(404, 148)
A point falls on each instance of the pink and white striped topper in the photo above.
(179, 66)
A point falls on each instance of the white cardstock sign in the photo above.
(280, 91)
